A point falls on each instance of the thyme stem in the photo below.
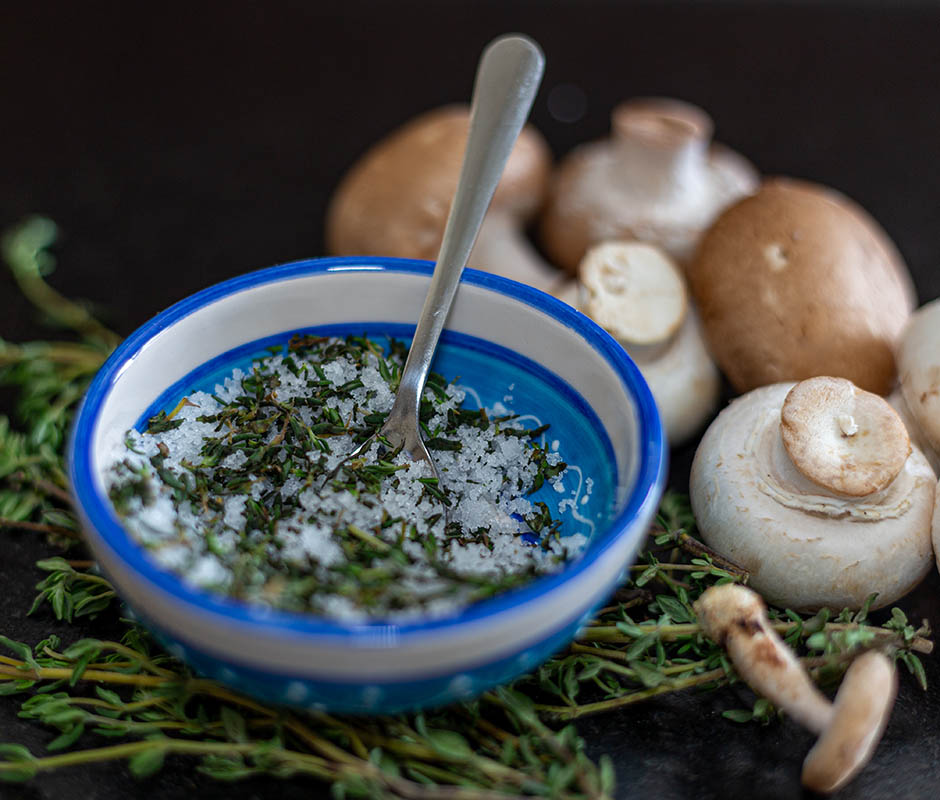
(26, 251)
(94, 675)
(38, 527)
(567, 713)
(611, 633)
(43, 485)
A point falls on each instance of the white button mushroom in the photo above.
(776, 486)
(797, 281)
(655, 180)
(849, 729)
(395, 199)
(936, 526)
(635, 292)
(896, 399)
(918, 359)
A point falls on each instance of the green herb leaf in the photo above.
(17, 764)
(147, 762)
(449, 743)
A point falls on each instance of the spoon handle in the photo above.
(507, 80)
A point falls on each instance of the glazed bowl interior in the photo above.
(514, 349)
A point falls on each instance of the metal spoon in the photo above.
(506, 83)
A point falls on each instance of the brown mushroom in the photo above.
(395, 199)
(797, 281)
(655, 180)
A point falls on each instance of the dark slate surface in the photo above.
(177, 146)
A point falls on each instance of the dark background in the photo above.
(180, 146)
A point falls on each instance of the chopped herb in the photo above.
(162, 423)
(231, 486)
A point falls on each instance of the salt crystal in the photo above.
(203, 542)
(207, 572)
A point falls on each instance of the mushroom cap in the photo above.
(395, 199)
(806, 547)
(666, 190)
(843, 438)
(797, 281)
(860, 714)
(919, 370)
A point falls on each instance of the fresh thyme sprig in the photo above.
(159, 703)
(50, 378)
(618, 660)
(26, 249)
(649, 642)
(645, 642)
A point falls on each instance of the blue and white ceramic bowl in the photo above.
(514, 346)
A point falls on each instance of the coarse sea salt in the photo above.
(229, 492)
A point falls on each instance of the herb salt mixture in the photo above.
(228, 490)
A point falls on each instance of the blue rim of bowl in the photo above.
(649, 481)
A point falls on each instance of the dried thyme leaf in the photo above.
(241, 500)
(161, 422)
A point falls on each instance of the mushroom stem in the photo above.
(501, 248)
(661, 145)
(636, 293)
(736, 618)
(644, 354)
(860, 715)
(849, 729)
(842, 438)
